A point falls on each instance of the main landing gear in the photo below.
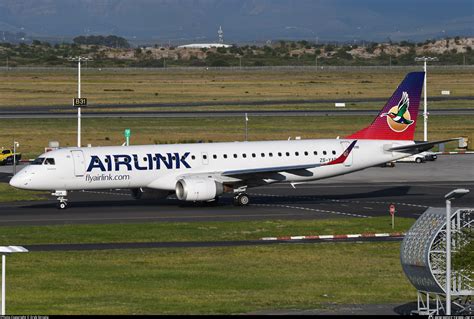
(62, 200)
(241, 198)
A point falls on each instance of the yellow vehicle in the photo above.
(7, 156)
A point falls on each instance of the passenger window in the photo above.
(145, 159)
(279, 153)
(244, 155)
(306, 153)
(334, 152)
(270, 154)
(263, 154)
(235, 155)
(315, 153)
(204, 156)
(214, 156)
(297, 154)
(287, 154)
(225, 155)
(49, 161)
(253, 155)
(324, 152)
(193, 157)
(38, 161)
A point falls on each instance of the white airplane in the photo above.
(204, 171)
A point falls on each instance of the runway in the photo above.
(200, 244)
(70, 113)
(365, 194)
(33, 108)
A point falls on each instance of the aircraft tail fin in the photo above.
(397, 119)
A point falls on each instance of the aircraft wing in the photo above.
(419, 147)
(235, 176)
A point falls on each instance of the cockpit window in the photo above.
(38, 161)
(49, 161)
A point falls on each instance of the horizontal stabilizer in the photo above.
(419, 147)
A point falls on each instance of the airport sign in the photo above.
(79, 102)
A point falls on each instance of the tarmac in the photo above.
(411, 187)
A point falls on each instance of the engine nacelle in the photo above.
(149, 193)
(198, 189)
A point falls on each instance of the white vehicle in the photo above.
(419, 158)
(416, 158)
(204, 171)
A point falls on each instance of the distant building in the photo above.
(220, 44)
(204, 45)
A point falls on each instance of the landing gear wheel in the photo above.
(62, 205)
(241, 199)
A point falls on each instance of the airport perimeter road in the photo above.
(411, 187)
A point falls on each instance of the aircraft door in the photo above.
(349, 159)
(79, 163)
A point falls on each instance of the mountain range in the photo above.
(186, 21)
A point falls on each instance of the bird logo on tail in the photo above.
(398, 118)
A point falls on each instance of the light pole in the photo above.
(4, 250)
(425, 104)
(15, 145)
(457, 193)
(246, 127)
(78, 59)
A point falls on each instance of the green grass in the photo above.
(203, 280)
(196, 231)
(206, 281)
(10, 194)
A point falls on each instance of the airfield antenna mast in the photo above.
(220, 33)
(425, 103)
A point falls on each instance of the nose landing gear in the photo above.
(62, 200)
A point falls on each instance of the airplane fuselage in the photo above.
(160, 166)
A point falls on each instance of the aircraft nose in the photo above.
(19, 181)
(16, 181)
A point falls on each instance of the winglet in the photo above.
(342, 158)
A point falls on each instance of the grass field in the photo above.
(203, 280)
(206, 281)
(58, 87)
(8, 194)
(34, 134)
(208, 231)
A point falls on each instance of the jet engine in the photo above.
(149, 193)
(198, 189)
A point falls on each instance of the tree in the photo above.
(138, 52)
(110, 41)
(463, 258)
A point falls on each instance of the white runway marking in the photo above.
(341, 200)
(312, 210)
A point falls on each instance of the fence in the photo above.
(381, 68)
